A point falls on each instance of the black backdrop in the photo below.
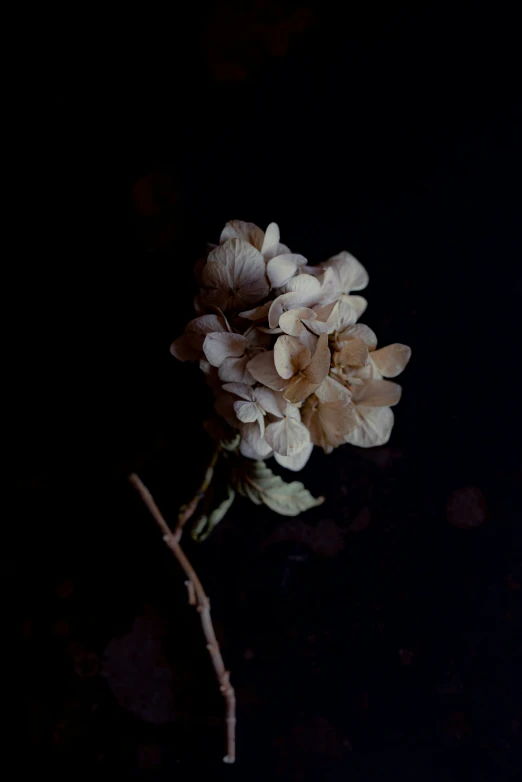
(378, 632)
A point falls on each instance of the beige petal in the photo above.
(377, 393)
(234, 370)
(353, 353)
(182, 349)
(271, 401)
(281, 269)
(239, 269)
(308, 339)
(329, 422)
(305, 285)
(391, 360)
(198, 328)
(287, 437)
(297, 461)
(282, 303)
(262, 368)
(247, 412)
(290, 321)
(299, 389)
(240, 389)
(318, 368)
(331, 390)
(290, 356)
(351, 274)
(359, 304)
(258, 313)
(374, 426)
(253, 444)
(219, 346)
(360, 331)
(345, 315)
(270, 244)
(238, 229)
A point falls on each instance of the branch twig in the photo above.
(201, 601)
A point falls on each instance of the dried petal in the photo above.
(290, 356)
(262, 368)
(239, 229)
(377, 393)
(297, 461)
(219, 346)
(374, 425)
(391, 360)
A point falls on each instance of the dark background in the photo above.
(381, 632)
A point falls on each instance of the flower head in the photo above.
(283, 352)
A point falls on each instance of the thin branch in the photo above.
(187, 511)
(202, 604)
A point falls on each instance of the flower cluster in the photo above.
(283, 352)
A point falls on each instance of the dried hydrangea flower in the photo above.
(282, 349)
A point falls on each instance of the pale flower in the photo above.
(248, 408)
(294, 368)
(232, 352)
(287, 436)
(281, 263)
(234, 276)
(372, 397)
(189, 347)
(296, 363)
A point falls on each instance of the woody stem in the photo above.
(199, 599)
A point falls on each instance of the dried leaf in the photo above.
(258, 483)
(206, 524)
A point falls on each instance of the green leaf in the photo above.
(206, 524)
(258, 483)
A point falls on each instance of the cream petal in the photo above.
(345, 315)
(219, 346)
(198, 328)
(271, 401)
(262, 368)
(182, 349)
(270, 245)
(290, 321)
(247, 412)
(290, 356)
(253, 444)
(296, 462)
(234, 370)
(308, 339)
(281, 269)
(287, 437)
(331, 390)
(359, 304)
(391, 360)
(240, 389)
(377, 393)
(351, 274)
(360, 331)
(239, 268)
(305, 285)
(239, 229)
(374, 425)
